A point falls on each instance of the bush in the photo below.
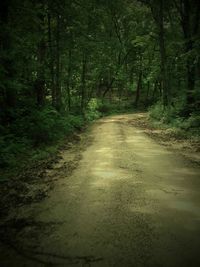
(98, 108)
(156, 111)
(92, 111)
(10, 148)
(193, 122)
(30, 135)
(171, 116)
(164, 114)
(46, 126)
(104, 107)
(76, 122)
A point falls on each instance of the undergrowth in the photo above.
(171, 117)
(35, 136)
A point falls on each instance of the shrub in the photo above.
(92, 111)
(10, 148)
(76, 122)
(171, 116)
(192, 122)
(104, 107)
(156, 111)
(163, 114)
(45, 126)
(30, 136)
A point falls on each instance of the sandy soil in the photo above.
(129, 202)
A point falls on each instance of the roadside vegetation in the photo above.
(180, 127)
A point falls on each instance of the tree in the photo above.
(189, 11)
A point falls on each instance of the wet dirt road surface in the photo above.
(130, 202)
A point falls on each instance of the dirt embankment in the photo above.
(169, 137)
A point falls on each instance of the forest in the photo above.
(100, 133)
(65, 63)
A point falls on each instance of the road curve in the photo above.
(130, 202)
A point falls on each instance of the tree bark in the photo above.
(139, 87)
(157, 8)
(51, 64)
(40, 81)
(155, 90)
(83, 80)
(6, 90)
(189, 11)
(164, 86)
(39, 84)
(68, 80)
(190, 24)
(147, 95)
(57, 78)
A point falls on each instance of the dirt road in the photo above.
(130, 202)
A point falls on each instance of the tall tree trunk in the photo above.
(51, 64)
(155, 90)
(83, 76)
(139, 87)
(40, 81)
(164, 86)
(7, 91)
(157, 8)
(147, 95)
(190, 17)
(39, 85)
(57, 74)
(69, 79)
(139, 83)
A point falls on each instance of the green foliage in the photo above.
(104, 107)
(170, 117)
(161, 113)
(33, 133)
(116, 106)
(194, 120)
(74, 122)
(174, 111)
(46, 126)
(92, 111)
(191, 124)
(10, 148)
(41, 126)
